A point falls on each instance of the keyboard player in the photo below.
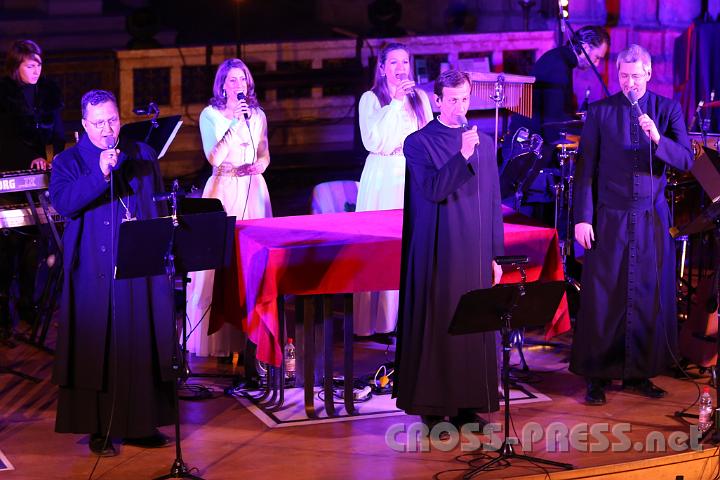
(30, 120)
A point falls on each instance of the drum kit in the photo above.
(523, 167)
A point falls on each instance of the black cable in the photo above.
(675, 360)
(113, 317)
(254, 150)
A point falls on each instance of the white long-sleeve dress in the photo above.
(382, 187)
(227, 144)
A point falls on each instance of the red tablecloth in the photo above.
(340, 253)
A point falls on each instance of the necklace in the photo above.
(128, 217)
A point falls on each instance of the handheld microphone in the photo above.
(110, 144)
(241, 96)
(462, 121)
(404, 76)
(632, 96)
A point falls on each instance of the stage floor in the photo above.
(224, 440)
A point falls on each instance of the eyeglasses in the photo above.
(103, 123)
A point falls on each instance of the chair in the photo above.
(335, 196)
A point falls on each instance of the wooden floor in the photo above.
(223, 440)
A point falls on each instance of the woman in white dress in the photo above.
(234, 136)
(388, 113)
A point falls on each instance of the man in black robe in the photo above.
(115, 337)
(627, 327)
(452, 230)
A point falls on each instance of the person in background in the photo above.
(235, 141)
(30, 120)
(388, 113)
(554, 101)
(115, 340)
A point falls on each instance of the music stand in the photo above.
(174, 246)
(158, 133)
(504, 308)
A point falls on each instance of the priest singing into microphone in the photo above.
(452, 230)
(626, 328)
(115, 337)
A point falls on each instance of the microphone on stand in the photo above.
(151, 109)
(584, 106)
(561, 17)
(697, 116)
(411, 92)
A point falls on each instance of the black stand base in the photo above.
(179, 470)
(506, 452)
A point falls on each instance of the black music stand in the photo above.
(159, 133)
(174, 246)
(504, 308)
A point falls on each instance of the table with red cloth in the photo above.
(342, 253)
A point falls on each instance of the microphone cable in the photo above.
(241, 96)
(676, 361)
(484, 335)
(113, 317)
(250, 177)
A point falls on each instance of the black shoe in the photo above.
(156, 440)
(595, 392)
(101, 448)
(467, 416)
(644, 387)
(431, 421)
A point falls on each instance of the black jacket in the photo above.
(25, 130)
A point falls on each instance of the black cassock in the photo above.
(627, 326)
(452, 230)
(101, 366)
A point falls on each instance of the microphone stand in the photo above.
(178, 469)
(153, 110)
(498, 97)
(570, 34)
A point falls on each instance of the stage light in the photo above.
(564, 4)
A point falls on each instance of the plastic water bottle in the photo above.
(705, 417)
(290, 361)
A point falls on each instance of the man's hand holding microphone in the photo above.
(470, 138)
(109, 157)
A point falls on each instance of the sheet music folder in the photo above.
(202, 242)
(160, 138)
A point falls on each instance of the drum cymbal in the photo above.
(564, 124)
(564, 141)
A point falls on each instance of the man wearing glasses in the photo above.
(115, 336)
(626, 327)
